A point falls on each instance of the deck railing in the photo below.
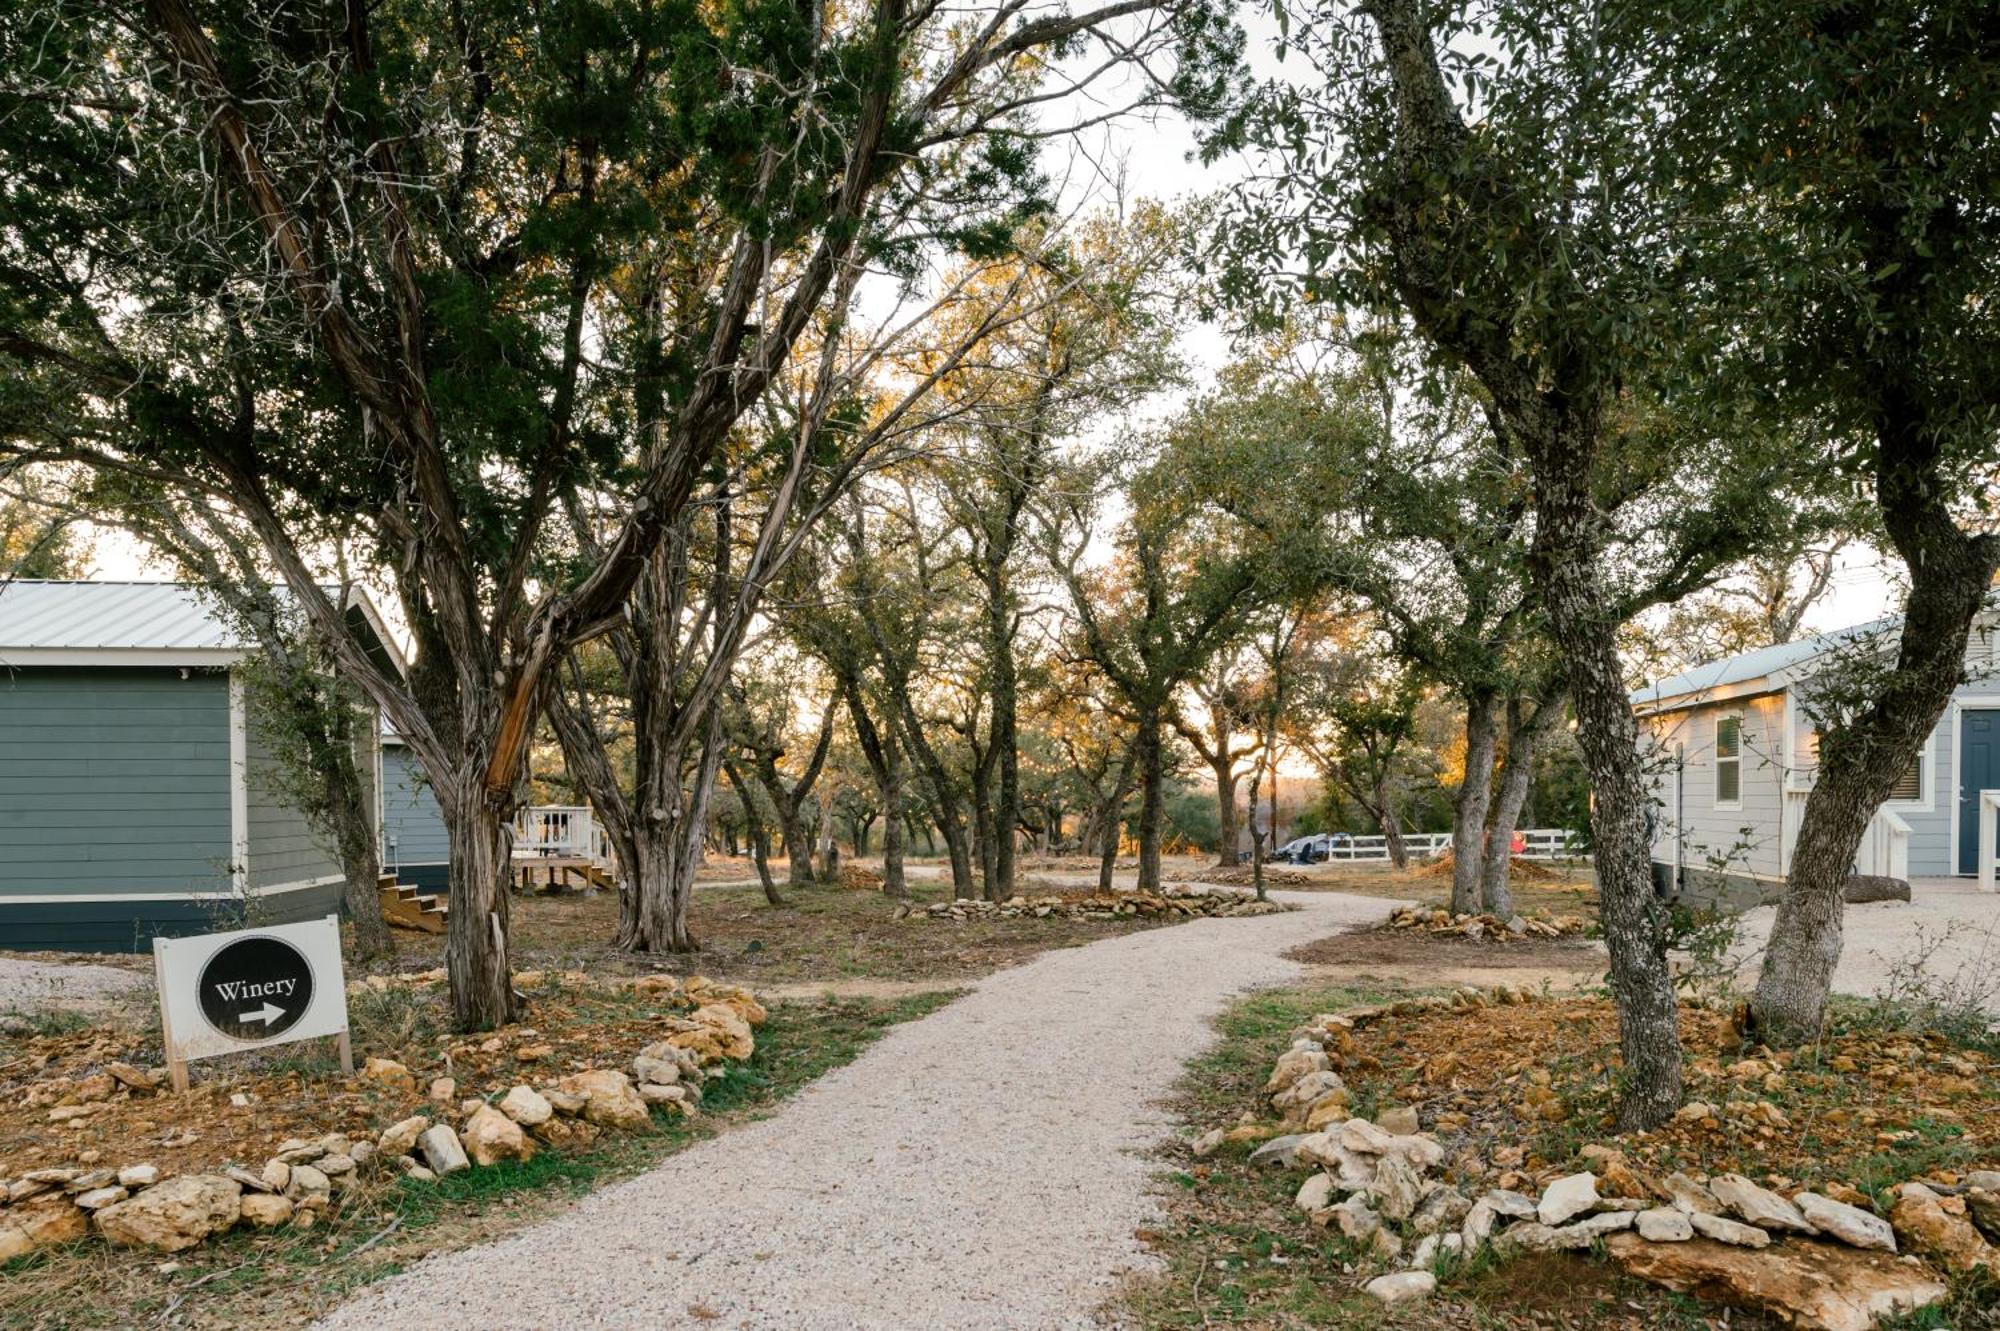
(559, 831)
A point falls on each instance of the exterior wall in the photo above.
(414, 843)
(1740, 840)
(131, 924)
(284, 848)
(113, 782)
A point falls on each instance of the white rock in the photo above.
(1358, 1134)
(1426, 1253)
(138, 1176)
(1397, 1189)
(1479, 1223)
(1354, 1218)
(99, 1197)
(1760, 1206)
(1208, 1143)
(1724, 1230)
(1402, 1287)
(1849, 1224)
(1664, 1224)
(307, 1180)
(442, 1150)
(1567, 1197)
(1316, 1193)
(1513, 1205)
(401, 1138)
(1281, 1151)
(1691, 1197)
(527, 1106)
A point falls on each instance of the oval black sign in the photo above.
(255, 988)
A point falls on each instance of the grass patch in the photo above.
(253, 1279)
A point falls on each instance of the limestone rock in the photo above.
(175, 1215)
(732, 1031)
(251, 1182)
(1300, 1061)
(1280, 1152)
(307, 1181)
(400, 1138)
(1513, 1205)
(658, 1071)
(1358, 1134)
(609, 1099)
(98, 1198)
(1352, 1170)
(1401, 1287)
(1724, 1230)
(1812, 1286)
(442, 1150)
(266, 1211)
(1479, 1225)
(1849, 1224)
(138, 1176)
(1396, 1190)
(1664, 1224)
(563, 1102)
(1207, 1144)
(444, 1090)
(526, 1106)
(667, 1097)
(1760, 1206)
(277, 1176)
(1984, 1203)
(489, 1137)
(1531, 1236)
(39, 1224)
(388, 1072)
(1316, 1193)
(1924, 1225)
(1400, 1121)
(1354, 1218)
(1328, 1109)
(1566, 1198)
(1691, 1196)
(1296, 1101)
(1441, 1209)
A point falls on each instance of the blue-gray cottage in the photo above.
(136, 794)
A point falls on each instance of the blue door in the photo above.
(1978, 769)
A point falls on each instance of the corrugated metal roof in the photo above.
(110, 616)
(1775, 664)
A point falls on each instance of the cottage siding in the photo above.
(284, 847)
(413, 835)
(1734, 841)
(113, 781)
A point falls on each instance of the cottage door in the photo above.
(1978, 769)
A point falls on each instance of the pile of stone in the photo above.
(142, 1206)
(1169, 902)
(1488, 927)
(1822, 1260)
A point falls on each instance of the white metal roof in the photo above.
(128, 623)
(1758, 671)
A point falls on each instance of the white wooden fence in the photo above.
(1540, 843)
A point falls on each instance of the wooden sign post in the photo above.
(249, 988)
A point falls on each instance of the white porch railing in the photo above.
(1541, 843)
(559, 831)
(1989, 824)
(1885, 847)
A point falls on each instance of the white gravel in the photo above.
(40, 986)
(1948, 927)
(985, 1167)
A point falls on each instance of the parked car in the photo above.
(1311, 849)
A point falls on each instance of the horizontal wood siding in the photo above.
(284, 848)
(412, 825)
(113, 781)
(1729, 840)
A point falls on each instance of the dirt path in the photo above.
(982, 1168)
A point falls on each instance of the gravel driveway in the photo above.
(983, 1167)
(42, 987)
(1948, 925)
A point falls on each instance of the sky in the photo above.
(1154, 157)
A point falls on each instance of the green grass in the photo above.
(279, 1278)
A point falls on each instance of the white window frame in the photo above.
(1926, 799)
(1737, 759)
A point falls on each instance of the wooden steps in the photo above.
(407, 908)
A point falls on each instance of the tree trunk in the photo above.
(1005, 741)
(672, 825)
(894, 883)
(360, 863)
(1859, 764)
(1225, 807)
(1517, 778)
(984, 843)
(1468, 821)
(1634, 926)
(760, 837)
(475, 950)
(798, 843)
(1391, 824)
(1152, 798)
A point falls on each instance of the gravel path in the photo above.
(41, 986)
(1948, 926)
(985, 1167)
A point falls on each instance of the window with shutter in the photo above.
(1910, 785)
(1729, 760)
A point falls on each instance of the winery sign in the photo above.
(224, 993)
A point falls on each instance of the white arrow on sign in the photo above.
(267, 1014)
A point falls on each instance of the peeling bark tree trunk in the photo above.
(481, 839)
(1231, 832)
(1391, 824)
(1475, 793)
(1110, 825)
(757, 833)
(361, 864)
(894, 883)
